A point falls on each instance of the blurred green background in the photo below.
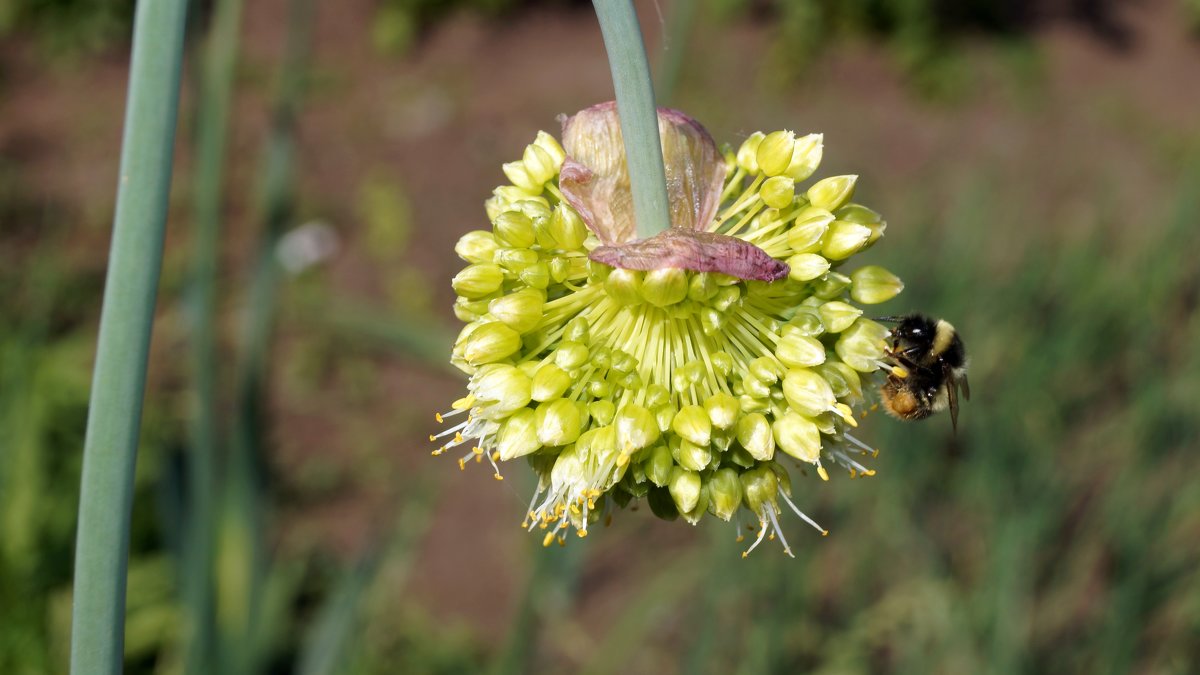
(1039, 165)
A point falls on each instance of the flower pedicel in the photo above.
(680, 368)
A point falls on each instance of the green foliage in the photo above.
(68, 26)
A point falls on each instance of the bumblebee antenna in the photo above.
(890, 319)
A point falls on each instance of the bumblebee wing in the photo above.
(951, 394)
(966, 389)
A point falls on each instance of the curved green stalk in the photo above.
(639, 118)
(118, 382)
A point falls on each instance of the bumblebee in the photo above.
(929, 368)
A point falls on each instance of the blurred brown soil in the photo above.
(471, 95)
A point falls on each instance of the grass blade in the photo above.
(119, 378)
(212, 122)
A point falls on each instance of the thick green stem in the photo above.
(118, 382)
(639, 117)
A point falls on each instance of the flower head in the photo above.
(686, 368)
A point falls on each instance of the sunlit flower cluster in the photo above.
(690, 368)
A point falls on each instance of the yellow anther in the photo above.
(432, 438)
(458, 437)
(822, 473)
(853, 473)
(547, 539)
(740, 538)
(478, 459)
(562, 541)
(869, 472)
(574, 509)
(462, 464)
(499, 477)
(622, 459)
(543, 526)
(900, 371)
(771, 537)
(874, 407)
(824, 533)
(496, 456)
(745, 554)
(438, 417)
(581, 533)
(477, 450)
(875, 452)
(591, 505)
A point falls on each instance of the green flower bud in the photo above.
(806, 266)
(693, 517)
(760, 487)
(725, 493)
(539, 164)
(807, 393)
(520, 311)
(857, 213)
(844, 239)
(747, 154)
(521, 177)
(830, 286)
(842, 379)
(830, 193)
(476, 246)
(685, 489)
(576, 330)
(515, 259)
(806, 156)
(658, 465)
(603, 412)
(726, 297)
(691, 456)
(636, 427)
(536, 276)
(702, 287)
(806, 321)
(809, 230)
(504, 386)
(567, 228)
(722, 363)
(663, 287)
(558, 422)
(624, 286)
(560, 269)
(873, 284)
(478, 280)
(656, 395)
(799, 351)
(722, 410)
(665, 416)
(692, 423)
(765, 370)
(862, 345)
(570, 355)
(518, 435)
(514, 229)
(550, 144)
(489, 343)
(775, 152)
(537, 209)
(469, 310)
(549, 382)
(754, 433)
(838, 316)
(778, 192)
(798, 436)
